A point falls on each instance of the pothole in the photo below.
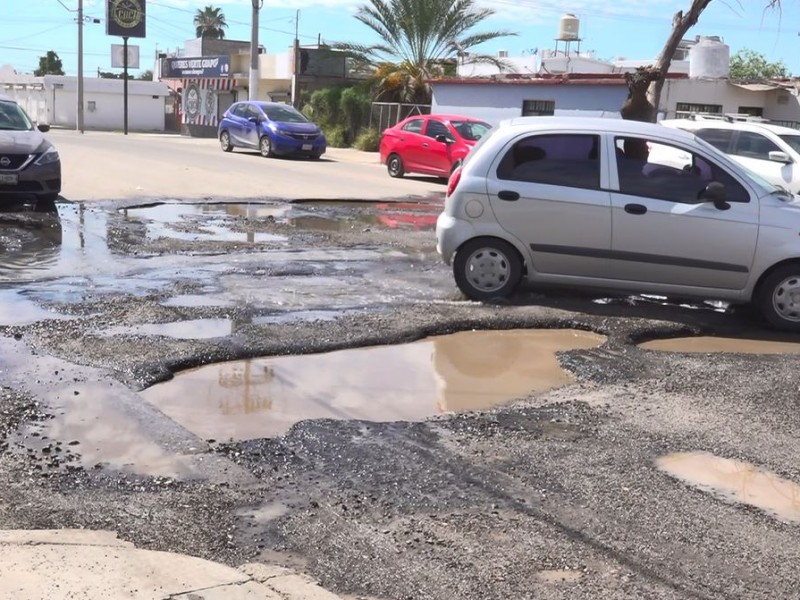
(464, 371)
(195, 329)
(17, 309)
(736, 481)
(709, 344)
(555, 576)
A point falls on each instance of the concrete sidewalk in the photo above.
(95, 565)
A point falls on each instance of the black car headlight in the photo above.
(49, 157)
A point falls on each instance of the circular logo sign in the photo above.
(126, 13)
(191, 104)
(5, 161)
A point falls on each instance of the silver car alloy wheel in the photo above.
(487, 269)
(786, 299)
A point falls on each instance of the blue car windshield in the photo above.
(283, 114)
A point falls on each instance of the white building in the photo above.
(53, 99)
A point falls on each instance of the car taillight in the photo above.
(452, 183)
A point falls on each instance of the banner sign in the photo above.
(125, 18)
(204, 66)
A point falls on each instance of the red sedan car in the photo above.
(429, 144)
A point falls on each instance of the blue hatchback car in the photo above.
(272, 128)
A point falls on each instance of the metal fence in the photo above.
(387, 114)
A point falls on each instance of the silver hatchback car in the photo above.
(623, 206)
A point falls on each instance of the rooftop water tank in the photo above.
(569, 27)
(710, 58)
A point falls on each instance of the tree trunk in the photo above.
(681, 23)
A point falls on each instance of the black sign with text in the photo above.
(126, 18)
(201, 66)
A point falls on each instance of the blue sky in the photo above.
(623, 28)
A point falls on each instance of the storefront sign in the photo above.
(204, 66)
(126, 18)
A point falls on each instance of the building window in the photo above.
(538, 108)
(751, 111)
(684, 108)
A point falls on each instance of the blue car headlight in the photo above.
(50, 156)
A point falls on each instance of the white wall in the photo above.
(146, 103)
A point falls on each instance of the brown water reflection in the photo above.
(410, 382)
(736, 480)
(709, 344)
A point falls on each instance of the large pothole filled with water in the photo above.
(464, 371)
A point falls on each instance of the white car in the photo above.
(769, 150)
(619, 205)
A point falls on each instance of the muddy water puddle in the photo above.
(217, 221)
(736, 481)
(710, 344)
(409, 382)
(18, 309)
(195, 329)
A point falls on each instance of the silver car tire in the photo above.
(778, 298)
(487, 269)
(225, 141)
(265, 147)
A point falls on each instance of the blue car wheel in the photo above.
(265, 146)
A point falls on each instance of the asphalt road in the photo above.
(559, 495)
(111, 166)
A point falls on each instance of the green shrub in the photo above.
(368, 140)
(336, 135)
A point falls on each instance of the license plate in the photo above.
(9, 178)
(307, 146)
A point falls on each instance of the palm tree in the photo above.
(210, 23)
(421, 38)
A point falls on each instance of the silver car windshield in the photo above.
(759, 182)
(13, 118)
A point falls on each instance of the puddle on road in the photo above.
(165, 220)
(196, 329)
(409, 382)
(708, 344)
(736, 481)
(555, 576)
(209, 221)
(17, 309)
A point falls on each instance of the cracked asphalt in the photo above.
(554, 495)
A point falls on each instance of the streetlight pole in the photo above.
(80, 67)
(253, 82)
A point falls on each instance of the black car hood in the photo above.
(22, 142)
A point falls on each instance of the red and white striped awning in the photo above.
(210, 83)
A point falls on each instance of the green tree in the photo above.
(210, 23)
(49, 65)
(749, 65)
(146, 75)
(420, 38)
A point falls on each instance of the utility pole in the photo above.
(296, 60)
(252, 91)
(80, 66)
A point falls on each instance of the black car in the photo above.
(30, 167)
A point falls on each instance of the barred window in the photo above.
(715, 109)
(538, 108)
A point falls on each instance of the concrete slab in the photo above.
(95, 565)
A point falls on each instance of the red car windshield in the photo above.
(471, 130)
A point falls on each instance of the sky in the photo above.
(633, 29)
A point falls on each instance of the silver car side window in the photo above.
(662, 171)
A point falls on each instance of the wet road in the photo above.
(639, 473)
